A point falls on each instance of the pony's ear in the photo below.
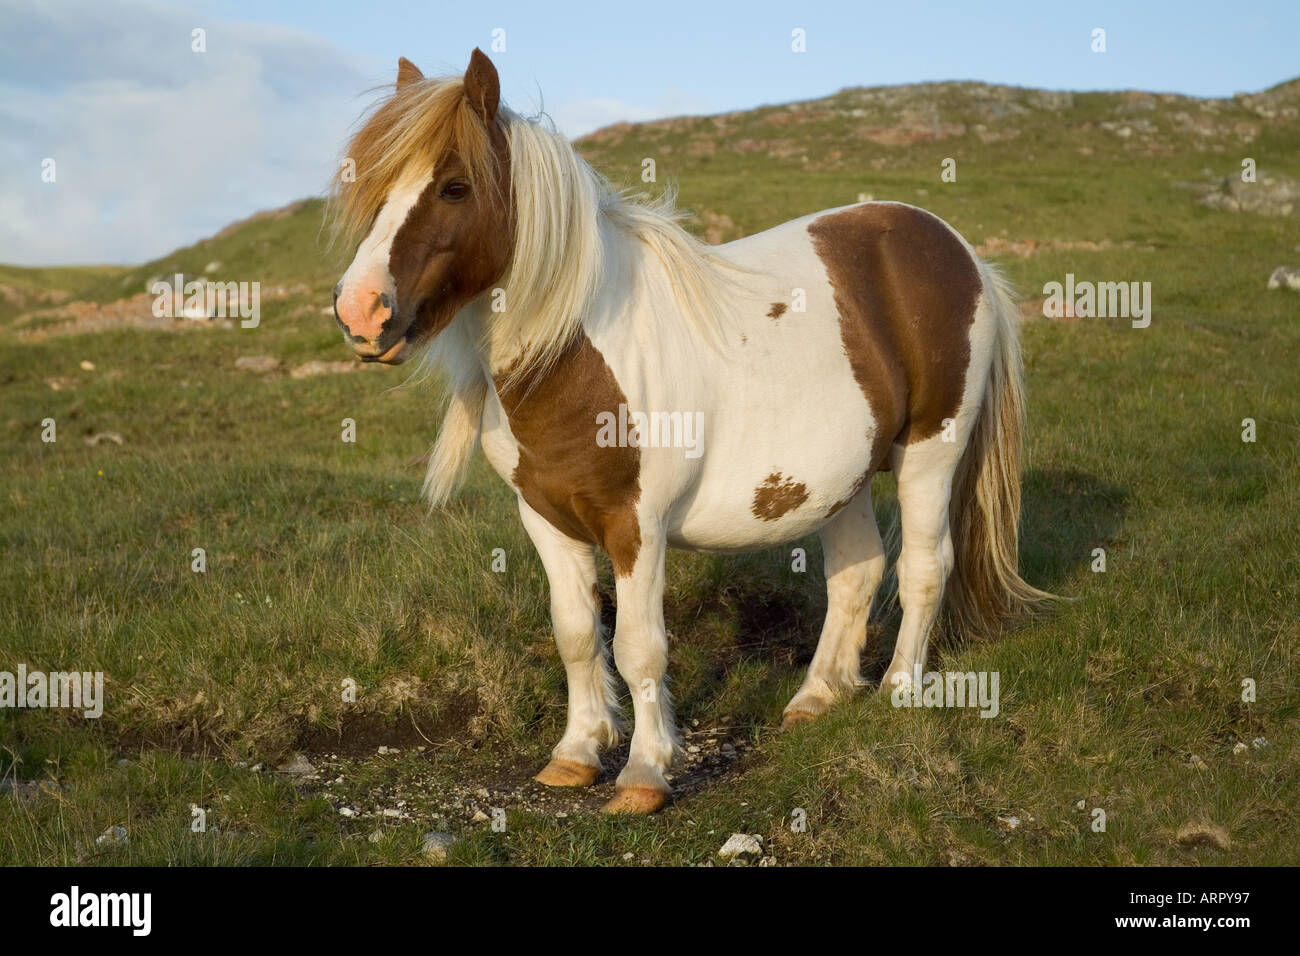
(407, 72)
(482, 86)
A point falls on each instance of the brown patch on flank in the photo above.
(776, 496)
(906, 290)
(586, 491)
(857, 487)
(777, 310)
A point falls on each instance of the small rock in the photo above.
(113, 836)
(393, 814)
(628, 856)
(1009, 822)
(114, 437)
(299, 766)
(481, 817)
(741, 846)
(1239, 748)
(1203, 834)
(1196, 763)
(436, 846)
(1259, 743)
(1285, 277)
(376, 836)
(347, 812)
(317, 367)
(87, 366)
(257, 363)
(1081, 805)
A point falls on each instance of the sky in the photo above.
(156, 145)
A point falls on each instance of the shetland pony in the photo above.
(582, 330)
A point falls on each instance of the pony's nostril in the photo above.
(386, 301)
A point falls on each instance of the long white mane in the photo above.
(568, 221)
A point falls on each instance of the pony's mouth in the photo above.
(395, 355)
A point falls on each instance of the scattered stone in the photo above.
(1239, 748)
(628, 856)
(317, 367)
(742, 846)
(347, 812)
(376, 836)
(299, 766)
(257, 363)
(113, 836)
(115, 437)
(1269, 195)
(1203, 834)
(437, 846)
(1285, 277)
(1009, 822)
(87, 366)
(1081, 805)
(1196, 763)
(1259, 743)
(481, 817)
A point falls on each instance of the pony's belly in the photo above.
(759, 507)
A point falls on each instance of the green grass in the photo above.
(323, 565)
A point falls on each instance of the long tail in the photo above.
(985, 590)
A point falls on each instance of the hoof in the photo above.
(793, 718)
(636, 800)
(567, 773)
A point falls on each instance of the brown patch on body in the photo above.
(777, 310)
(586, 491)
(906, 289)
(777, 496)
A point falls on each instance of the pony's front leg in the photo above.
(641, 656)
(575, 614)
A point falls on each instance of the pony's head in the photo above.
(429, 199)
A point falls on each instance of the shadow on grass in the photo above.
(752, 611)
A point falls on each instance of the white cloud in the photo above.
(577, 118)
(157, 146)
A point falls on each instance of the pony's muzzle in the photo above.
(368, 318)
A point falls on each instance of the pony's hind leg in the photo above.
(855, 563)
(575, 614)
(925, 471)
(641, 655)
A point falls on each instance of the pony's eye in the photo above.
(455, 190)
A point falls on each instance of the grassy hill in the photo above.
(322, 565)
